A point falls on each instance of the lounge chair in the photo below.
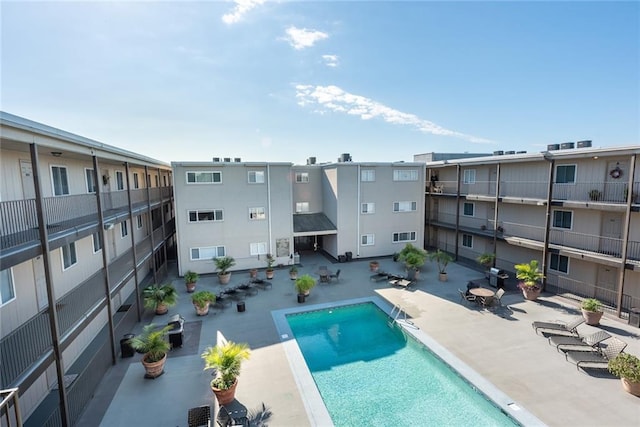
(403, 283)
(464, 296)
(569, 327)
(589, 342)
(379, 276)
(226, 418)
(199, 416)
(597, 359)
(262, 284)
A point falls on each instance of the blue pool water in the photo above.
(369, 373)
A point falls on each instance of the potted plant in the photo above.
(595, 194)
(160, 298)
(442, 259)
(529, 276)
(223, 264)
(627, 367)
(486, 260)
(153, 343)
(201, 301)
(190, 279)
(374, 266)
(226, 359)
(591, 311)
(270, 261)
(253, 273)
(413, 259)
(293, 272)
(303, 285)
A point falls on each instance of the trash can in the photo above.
(348, 255)
(240, 306)
(634, 317)
(176, 334)
(497, 277)
(125, 347)
(342, 258)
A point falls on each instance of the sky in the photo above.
(283, 81)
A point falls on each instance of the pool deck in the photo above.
(500, 345)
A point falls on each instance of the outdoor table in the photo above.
(484, 295)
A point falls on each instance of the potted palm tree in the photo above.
(226, 359)
(303, 285)
(201, 301)
(529, 276)
(591, 311)
(293, 272)
(270, 262)
(223, 264)
(190, 279)
(443, 259)
(153, 343)
(413, 259)
(486, 260)
(627, 367)
(159, 298)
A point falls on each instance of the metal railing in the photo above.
(72, 307)
(603, 192)
(586, 242)
(10, 408)
(524, 189)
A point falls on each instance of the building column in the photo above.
(547, 223)
(625, 234)
(133, 245)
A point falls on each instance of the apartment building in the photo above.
(84, 226)
(247, 210)
(575, 210)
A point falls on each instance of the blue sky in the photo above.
(283, 81)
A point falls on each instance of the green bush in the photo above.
(626, 366)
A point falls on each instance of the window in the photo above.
(69, 257)
(405, 206)
(302, 207)
(136, 180)
(566, 174)
(205, 215)
(91, 182)
(256, 177)
(562, 219)
(302, 176)
(204, 177)
(469, 176)
(139, 221)
(368, 208)
(367, 239)
(257, 213)
(404, 236)
(405, 175)
(97, 242)
(207, 253)
(258, 248)
(119, 180)
(124, 230)
(7, 290)
(60, 181)
(468, 209)
(467, 240)
(559, 263)
(367, 175)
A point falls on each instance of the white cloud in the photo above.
(333, 98)
(240, 9)
(300, 38)
(330, 60)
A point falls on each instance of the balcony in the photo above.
(597, 192)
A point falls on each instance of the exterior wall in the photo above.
(330, 195)
(311, 191)
(24, 305)
(348, 209)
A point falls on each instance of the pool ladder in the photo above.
(397, 310)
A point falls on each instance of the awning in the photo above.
(312, 224)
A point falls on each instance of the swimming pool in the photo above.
(356, 369)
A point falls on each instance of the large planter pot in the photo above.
(202, 311)
(374, 266)
(269, 274)
(162, 309)
(153, 369)
(190, 287)
(253, 273)
(225, 396)
(224, 278)
(531, 293)
(631, 387)
(301, 298)
(442, 277)
(592, 317)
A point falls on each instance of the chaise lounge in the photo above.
(598, 359)
(570, 327)
(588, 342)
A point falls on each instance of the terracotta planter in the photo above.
(224, 278)
(225, 396)
(592, 317)
(374, 266)
(269, 274)
(253, 273)
(631, 387)
(153, 369)
(202, 311)
(191, 287)
(530, 293)
(162, 309)
(442, 277)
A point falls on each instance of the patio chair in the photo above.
(403, 283)
(226, 418)
(335, 276)
(570, 327)
(464, 296)
(199, 416)
(570, 343)
(597, 359)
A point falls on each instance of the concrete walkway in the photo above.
(499, 344)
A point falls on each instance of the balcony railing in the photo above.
(603, 192)
(586, 242)
(18, 222)
(512, 229)
(524, 189)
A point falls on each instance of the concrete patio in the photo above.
(499, 344)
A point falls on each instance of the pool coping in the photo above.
(312, 400)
